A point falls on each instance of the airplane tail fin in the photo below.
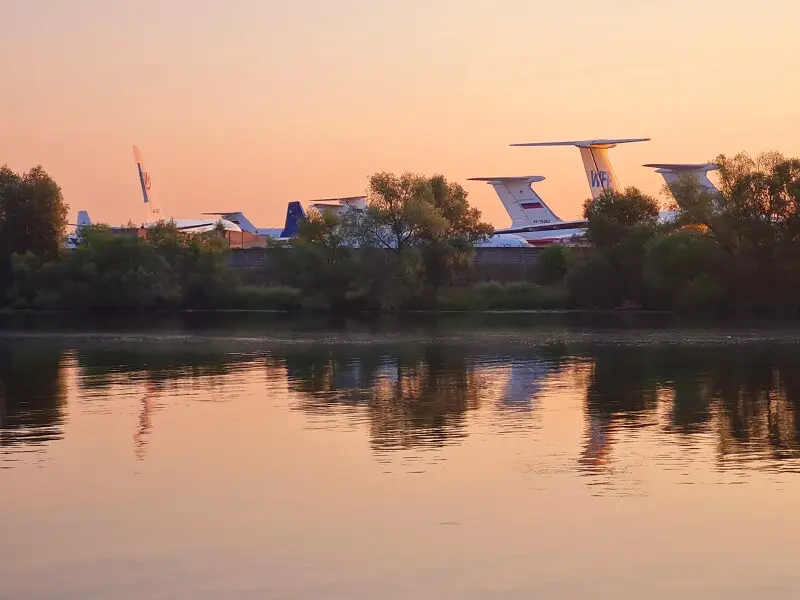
(522, 203)
(83, 218)
(294, 215)
(674, 172)
(152, 206)
(236, 217)
(594, 153)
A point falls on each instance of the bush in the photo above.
(589, 284)
(553, 264)
(511, 296)
(682, 271)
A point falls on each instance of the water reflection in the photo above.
(740, 399)
(32, 395)
(746, 396)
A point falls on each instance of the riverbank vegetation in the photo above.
(732, 252)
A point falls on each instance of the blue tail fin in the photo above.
(294, 215)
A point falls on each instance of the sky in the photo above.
(249, 104)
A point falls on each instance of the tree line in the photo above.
(735, 251)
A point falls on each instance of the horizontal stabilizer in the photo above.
(524, 178)
(597, 143)
(674, 172)
(344, 200)
(687, 167)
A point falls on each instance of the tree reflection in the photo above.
(747, 396)
(32, 394)
(413, 395)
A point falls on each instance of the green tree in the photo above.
(33, 217)
(427, 223)
(614, 216)
(552, 265)
(400, 215)
(320, 261)
(754, 220)
(619, 227)
(447, 247)
(684, 270)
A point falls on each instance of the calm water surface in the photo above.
(233, 459)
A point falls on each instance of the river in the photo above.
(507, 456)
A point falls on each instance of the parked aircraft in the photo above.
(154, 213)
(675, 172)
(531, 218)
(341, 205)
(242, 221)
(599, 172)
(72, 239)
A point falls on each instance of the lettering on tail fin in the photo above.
(294, 216)
(601, 179)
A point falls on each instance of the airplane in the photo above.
(73, 239)
(498, 240)
(275, 232)
(154, 214)
(531, 218)
(599, 171)
(675, 172)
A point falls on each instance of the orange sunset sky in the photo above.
(248, 104)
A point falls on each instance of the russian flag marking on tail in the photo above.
(531, 205)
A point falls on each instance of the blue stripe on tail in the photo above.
(144, 185)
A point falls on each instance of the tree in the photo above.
(619, 227)
(427, 223)
(613, 216)
(320, 261)
(755, 221)
(400, 215)
(684, 270)
(448, 249)
(33, 217)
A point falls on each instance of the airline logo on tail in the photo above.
(601, 179)
(144, 179)
(151, 203)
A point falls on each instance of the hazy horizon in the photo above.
(248, 105)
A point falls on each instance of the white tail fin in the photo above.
(674, 172)
(599, 172)
(152, 206)
(83, 218)
(523, 204)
